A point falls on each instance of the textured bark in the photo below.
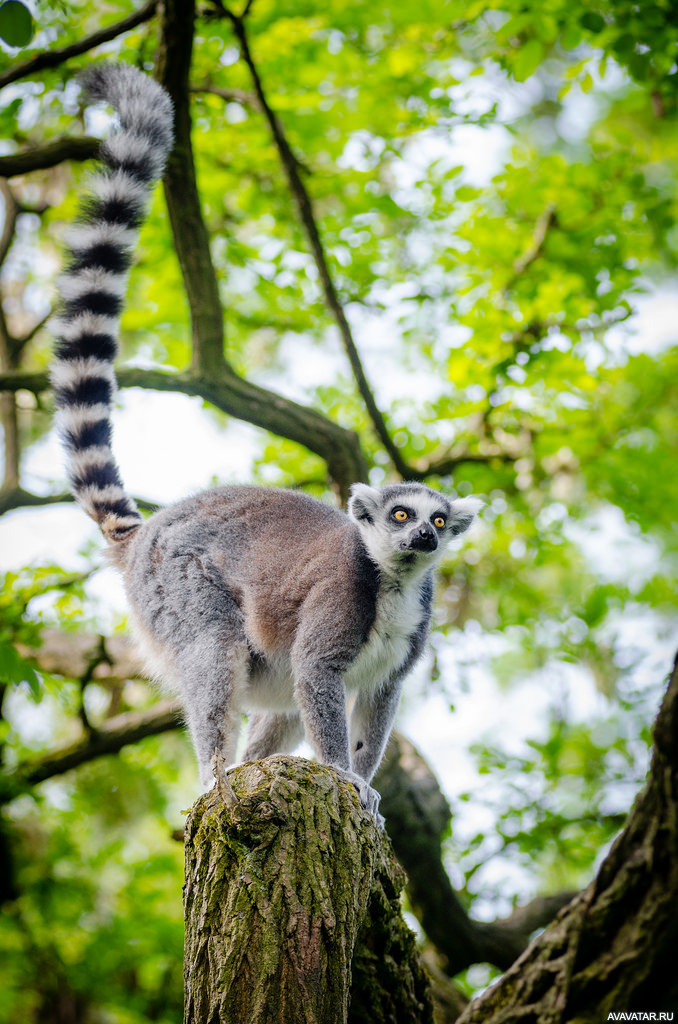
(614, 947)
(181, 193)
(291, 905)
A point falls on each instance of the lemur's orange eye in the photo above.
(439, 521)
(400, 514)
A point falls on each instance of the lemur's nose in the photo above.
(424, 539)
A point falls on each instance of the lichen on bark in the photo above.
(292, 906)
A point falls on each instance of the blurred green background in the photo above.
(495, 187)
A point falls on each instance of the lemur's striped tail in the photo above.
(100, 248)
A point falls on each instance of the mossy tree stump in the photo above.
(292, 906)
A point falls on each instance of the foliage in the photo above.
(16, 23)
(495, 188)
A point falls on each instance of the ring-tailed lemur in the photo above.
(243, 597)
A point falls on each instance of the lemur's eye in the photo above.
(400, 514)
(439, 521)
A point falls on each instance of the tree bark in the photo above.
(292, 906)
(614, 947)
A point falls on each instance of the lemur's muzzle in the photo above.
(424, 539)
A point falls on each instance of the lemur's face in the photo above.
(408, 524)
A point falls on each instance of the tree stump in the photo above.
(292, 906)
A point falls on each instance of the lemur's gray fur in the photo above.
(243, 598)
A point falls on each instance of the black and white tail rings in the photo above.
(100, 250)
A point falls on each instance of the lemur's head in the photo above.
(408, 524)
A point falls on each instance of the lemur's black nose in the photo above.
(425, 539)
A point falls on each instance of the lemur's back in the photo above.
(264, 551)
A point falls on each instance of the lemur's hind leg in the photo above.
(271, 733)
(214, 671)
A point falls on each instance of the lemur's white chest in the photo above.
(399, 612)
(397, 616)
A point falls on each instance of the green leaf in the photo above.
(571, 37)
(527, 60)
(592, 21)
(13, 669)
(16, 23)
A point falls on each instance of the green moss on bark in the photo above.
(292, 906)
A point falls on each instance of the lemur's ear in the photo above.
(464, 511)
(363, 503)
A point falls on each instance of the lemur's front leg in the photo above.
(321, 697)
(371, 723)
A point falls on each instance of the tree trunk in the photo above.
(615, 947)
(292, 906)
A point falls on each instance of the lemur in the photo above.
(243, 598)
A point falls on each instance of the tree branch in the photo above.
(191, 239)
(12, 497)
(110, 737)
(8, 351)
(52, 58)
(241, 96)
(212, 378)
(613, 947)
(42, 157)
(502, 941)
(417, 817)
(308, 220)
(448, 463)
(11, 210)
(340, 448)
(534, 250)
(69, 654)
(21, 342)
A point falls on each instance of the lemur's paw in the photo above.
(369, 797)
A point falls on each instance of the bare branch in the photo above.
(12, 453)
(340, 448)
(11, 210)
(502, 941)
(8, 353)
(191, 238)
(241, 96)
(417, 816)
(308, 219)
(20, 343)
(40, 158)
(24, 380)
(16, 497)
(545, 221)
(52, 58)
(69, 654)
(110, 737)
(447, 465)
(211, 376)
